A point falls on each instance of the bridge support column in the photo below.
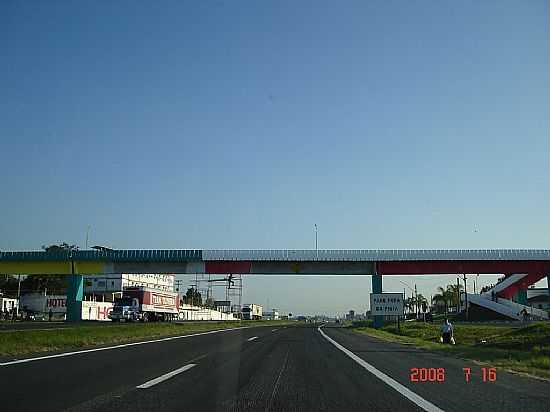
(521, 297)
(377, 288)
(75, 291)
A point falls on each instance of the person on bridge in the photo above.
(447, 332)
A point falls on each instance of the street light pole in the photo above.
(412, 290)
(18, 294)
(466, 296)
(416, 300)
(316, 250)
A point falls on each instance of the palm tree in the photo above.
(442, 296)
(421, 302)
(453, 291)
(409, 304)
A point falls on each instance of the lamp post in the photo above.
(18, 295)
(411, 289)
(466, 297)
(87, 236)
(316, 250)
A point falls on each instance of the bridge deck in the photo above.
(283, 261)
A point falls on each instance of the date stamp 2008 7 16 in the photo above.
(438, 374)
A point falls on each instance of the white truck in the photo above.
(252, 311)
(140, 303)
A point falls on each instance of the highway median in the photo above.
(17, 343)
(524, 349)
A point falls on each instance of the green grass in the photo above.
(25, 342)
(525, 349)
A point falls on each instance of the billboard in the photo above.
(386, 304)
(222, 303)
(38, 302)
(96, 310)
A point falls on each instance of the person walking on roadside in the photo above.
(524, 314)
(447, 332)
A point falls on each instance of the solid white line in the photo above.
(125, 345)
(403, 390)
(166, 376)
(252, 338)
(30, 330)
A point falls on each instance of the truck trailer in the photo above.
(146, 305)
(252, 312)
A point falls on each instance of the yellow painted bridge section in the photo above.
(50, 268)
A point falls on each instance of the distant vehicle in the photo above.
(34, 316)
(147, 305)
(252, 312)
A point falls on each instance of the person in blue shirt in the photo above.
(447, 331)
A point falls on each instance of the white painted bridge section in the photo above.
(374, 255)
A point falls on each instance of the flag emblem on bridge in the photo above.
(296, 267)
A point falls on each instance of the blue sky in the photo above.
(241, 125)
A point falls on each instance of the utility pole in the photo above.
(416, 300)
(18, 294)
(458, 295)
(87, 236)
(178, 283)
(316, 250)
(465, 296)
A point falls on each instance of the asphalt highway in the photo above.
(293, 368)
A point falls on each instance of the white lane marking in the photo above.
(273, 330)
(403, 390)
(166, 376)
(276, 386)
(252, 338)
(125, 345)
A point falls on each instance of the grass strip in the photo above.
(525, 349)
(17, 343)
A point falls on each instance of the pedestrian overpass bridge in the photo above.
(534, 264)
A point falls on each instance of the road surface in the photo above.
(293, 368)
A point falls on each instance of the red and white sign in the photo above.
(96, 310)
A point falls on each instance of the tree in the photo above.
(60, 248)
(409, 304)
(448, 296)
(442, 296)
(8, 285)
(52, 284)
(193, 297)
(421, 302)
(453, 291)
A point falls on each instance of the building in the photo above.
(350, 315)
(271, 315)
(39, 303)
(538, 298)
(8, 304)
(103, 288)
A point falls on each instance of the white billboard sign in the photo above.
(96, 310)
(386, 304)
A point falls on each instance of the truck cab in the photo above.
(125, 308)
